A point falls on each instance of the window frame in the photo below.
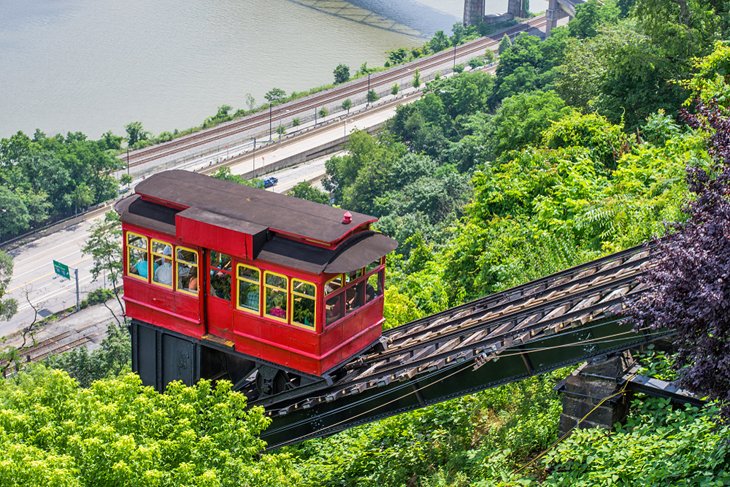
(250, 281)
(154, 254)
(175, 263)
(362, 279)
(314, 298)
(229, 272)
(286, 293)
(147, 251)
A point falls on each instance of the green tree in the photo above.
(112, 358)
(521, 119)
(397, 56)
(104, 245)
(281, 130)
(347, 105)
(136, 133)
(118, 432)
(8, 306)
(224, 173)
(323, 112)
(306, 191)
(14, 215)
(342, 73)
(439, 42)
(109, 141)
(416, 79)
(504, 44)
(372, 96)
(250, 101)
(590, 16)
(395, 89)
(275, 95)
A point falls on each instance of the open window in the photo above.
(220, 275)
(137, 256)
(186, 261)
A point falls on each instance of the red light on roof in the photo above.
(347, 218)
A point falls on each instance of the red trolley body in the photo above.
(276, 279)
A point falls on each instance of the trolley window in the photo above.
(220, 275)
(304, 299)
(333, 284)
(276, 290)
(374, 287)
(249, 288)
(162, 263)
(137, 256)
(188, 276)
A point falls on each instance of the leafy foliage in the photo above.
(104, 245)
(688, 286)
(108, 361)
(8, 306)
(45, 178)
(341, 73)
(118, 432)
(306, 191)
(646, 450)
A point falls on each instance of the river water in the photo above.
(95, 65)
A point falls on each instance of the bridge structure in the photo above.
(559, 320)
(474, 11)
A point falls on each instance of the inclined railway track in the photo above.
(546, 324)
(306, 105)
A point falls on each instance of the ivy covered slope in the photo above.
(574, 150)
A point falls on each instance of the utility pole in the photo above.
(78, 301)
(455, 55)
(253, 171)
(315, 116)
(270, 125)
(367, 98)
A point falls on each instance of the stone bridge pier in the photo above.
(474, 11)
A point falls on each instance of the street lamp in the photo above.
(270, 123)
(367, 98)
(454, 56)
(253, 170)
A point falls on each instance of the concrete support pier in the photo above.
(473, 12)
(517, 8)
(552, 16)
(585, 388)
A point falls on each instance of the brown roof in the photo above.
(280, 213)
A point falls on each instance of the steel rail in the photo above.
(546, 286)
(589, 297)
(522, 290)
(374, 371)
(307, 103)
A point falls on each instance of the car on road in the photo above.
(270, 181)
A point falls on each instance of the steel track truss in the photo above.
(543, 325)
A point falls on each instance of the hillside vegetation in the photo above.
(577, 148)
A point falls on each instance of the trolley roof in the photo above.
(250, 206)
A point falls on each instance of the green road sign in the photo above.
(61, 269)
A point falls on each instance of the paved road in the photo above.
(33, 277)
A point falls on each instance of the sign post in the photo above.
(63, 271)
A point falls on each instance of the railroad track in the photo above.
(306, 105)
(574, 313)
(60, 343)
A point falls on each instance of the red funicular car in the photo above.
(227, 281)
